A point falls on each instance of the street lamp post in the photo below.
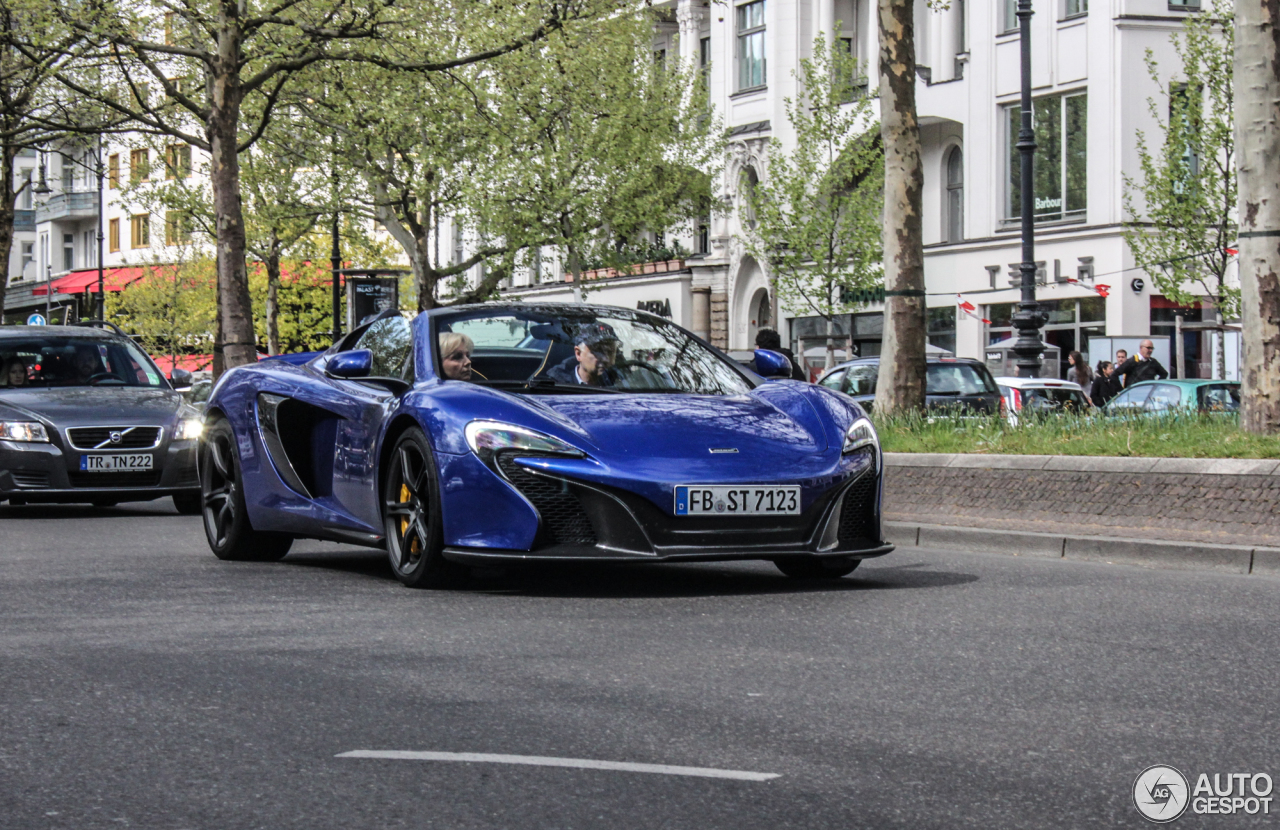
(102, 297)
(1028, 319)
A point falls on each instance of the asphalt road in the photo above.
(145, 684)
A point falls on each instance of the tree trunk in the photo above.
(900, 387)
(235, 307)
(575, 268)
(273, 302)
(7, 201)
(1257, 94)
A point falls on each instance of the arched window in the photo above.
(749, 181)
(953, 221)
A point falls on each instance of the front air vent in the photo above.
(30, 480)
(564, 521)
(858, 525)
(114, 438)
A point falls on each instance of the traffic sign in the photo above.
(35, 320)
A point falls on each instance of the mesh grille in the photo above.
(563, 519)
(149, 478)
(29, 480)
(858, 513)
(131, 438)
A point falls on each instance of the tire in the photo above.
(811, 567)
(226, 521)
(411, 517)
(188, 504)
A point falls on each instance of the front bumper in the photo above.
(584, 521)
(45, 473)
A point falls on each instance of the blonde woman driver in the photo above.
(455, 355)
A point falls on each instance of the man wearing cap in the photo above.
(595, 348)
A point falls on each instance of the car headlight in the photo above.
(860, 434)
(487, 438)
(190, 429)
(27, 431)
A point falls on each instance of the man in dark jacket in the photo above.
(1142, 366)
(771, 340)
(595, 350)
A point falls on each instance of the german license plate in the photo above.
(739, 500)
(116, 463)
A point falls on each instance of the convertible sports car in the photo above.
(524, 432)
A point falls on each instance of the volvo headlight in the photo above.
(190, 429)
(489, 437)
(26, 431)
(860, 434)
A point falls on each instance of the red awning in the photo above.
(190, 362)
(77, 282)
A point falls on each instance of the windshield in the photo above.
(57, 362)
(579, 350)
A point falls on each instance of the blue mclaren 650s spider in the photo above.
(527, 432)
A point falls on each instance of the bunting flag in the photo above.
(970, 309)
(1102, 289)
(1231, 251)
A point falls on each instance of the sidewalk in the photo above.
(1220, 515)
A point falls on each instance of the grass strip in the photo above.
(1170, 436)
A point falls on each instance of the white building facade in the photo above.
(1091, 88)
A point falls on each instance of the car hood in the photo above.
(775, 426)
(91, 405)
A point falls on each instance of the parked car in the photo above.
(951, 384)
(1041, 396)
(1167, 397)
(670, 452)
(86, 416)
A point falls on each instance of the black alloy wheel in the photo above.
(226, 521)
(411, 517)
(811, 567)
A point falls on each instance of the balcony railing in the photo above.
(69, 206)
(25, 220)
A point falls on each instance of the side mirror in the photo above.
(180, 379)
(773, 365)
(350, 365)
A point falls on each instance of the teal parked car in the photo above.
(1167, 397)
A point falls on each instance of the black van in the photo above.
(951, 383)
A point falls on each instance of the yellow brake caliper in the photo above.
(404, 522)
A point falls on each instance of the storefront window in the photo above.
(1071, 324)
(942, 328)
(1060, 163)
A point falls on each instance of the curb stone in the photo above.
(1235, 559)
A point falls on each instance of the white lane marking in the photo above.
(540, 761)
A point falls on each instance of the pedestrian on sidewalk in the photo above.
(1103, 387)
(1079, 371)
(1142, 366)
(1118, 379)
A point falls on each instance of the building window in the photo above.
(90, 250)
(749, 181)
(1076, 8)
(703, 237)
(113, 171)
(1184, 5)
(168, 28)
(177, 227)
(457, 243)
(942, 328)
(954, 220)
(1060, 168)
(113, 235)
(751, 61)
(704, 68)
(68, 173)
(1008, 16)
(177, 161)
(68, 251)
(28, 257)
(24, 181)
(140, 231)
(139, 166)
